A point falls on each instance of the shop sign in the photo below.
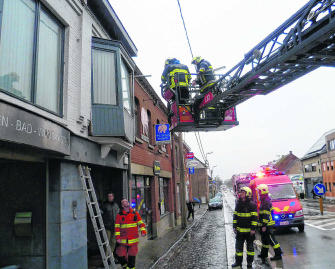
(22, 127)
(162, 133)
(157, 167)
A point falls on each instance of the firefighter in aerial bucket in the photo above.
(205, 79)
(176, 77)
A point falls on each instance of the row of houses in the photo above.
(316, 166)
(70, 94)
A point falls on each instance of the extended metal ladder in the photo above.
(98, 225)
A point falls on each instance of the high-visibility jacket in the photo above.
(205, 71)
(176, 75)
(127, 226)
(245, 216)
(265, 213)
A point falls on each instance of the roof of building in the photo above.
(200, 165)
(318, 147)
(112, 24)
(286, 162)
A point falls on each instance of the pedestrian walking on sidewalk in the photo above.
(110, 209)
(265, 219)
(127, 226)
(190, 208)
(244, 224)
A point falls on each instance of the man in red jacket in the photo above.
(127, 226)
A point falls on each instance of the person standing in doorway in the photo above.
(110, 209)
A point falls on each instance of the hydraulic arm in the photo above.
(300, 45)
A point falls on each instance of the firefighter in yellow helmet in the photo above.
(176, 76)
(267, 223)
(245, 224)
(205, 79)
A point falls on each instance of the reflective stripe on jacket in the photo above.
(245, 216)
(265, 213)
(127, 227)
(205, 71)
(176, 75)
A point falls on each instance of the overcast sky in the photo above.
(291, 118)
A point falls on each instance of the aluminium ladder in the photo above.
(98, 225)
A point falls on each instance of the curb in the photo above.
(178, 240)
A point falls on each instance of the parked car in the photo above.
(214, 203)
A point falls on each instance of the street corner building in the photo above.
(66, 98)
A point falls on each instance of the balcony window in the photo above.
(31, 53)
(104, 77)
(126, 86)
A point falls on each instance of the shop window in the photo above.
(137, 118)
(163, 204)
(31, 53)
(138, 195)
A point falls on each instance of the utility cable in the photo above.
(188, 40)
(199, 142)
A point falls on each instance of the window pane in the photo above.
(104, 86)
(125, 82)
(16, 47)
(48, 63)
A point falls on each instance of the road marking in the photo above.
(328, 224)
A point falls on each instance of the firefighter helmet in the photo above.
(171, 61)
(196, 60)
(247, 191)
(263, 189)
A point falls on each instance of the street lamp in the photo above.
(206, 161)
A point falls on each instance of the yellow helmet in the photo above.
(263, 189)
(196, 60)
(247, 191)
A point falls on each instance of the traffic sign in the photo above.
(189, 155)
(319, 189)
(191, 163)
(163, 135)
(191, 170)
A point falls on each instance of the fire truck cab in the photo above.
(287, 210)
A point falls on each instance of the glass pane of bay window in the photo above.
(104, 80)
(16, 47)
(49, 63)
(125, 82)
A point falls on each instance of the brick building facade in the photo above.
(327, 164)
(199, 181)
(151, 192)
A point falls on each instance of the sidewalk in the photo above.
(153, 249)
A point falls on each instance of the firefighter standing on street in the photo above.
(265, 219)
(127, 226)
(244, 224)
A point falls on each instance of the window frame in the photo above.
(131, 98)
(117, 67)
(39, 6)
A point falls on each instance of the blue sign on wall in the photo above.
(162, 133)
(191, 170)
(319, 189)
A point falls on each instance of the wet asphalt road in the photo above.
(204, 247)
